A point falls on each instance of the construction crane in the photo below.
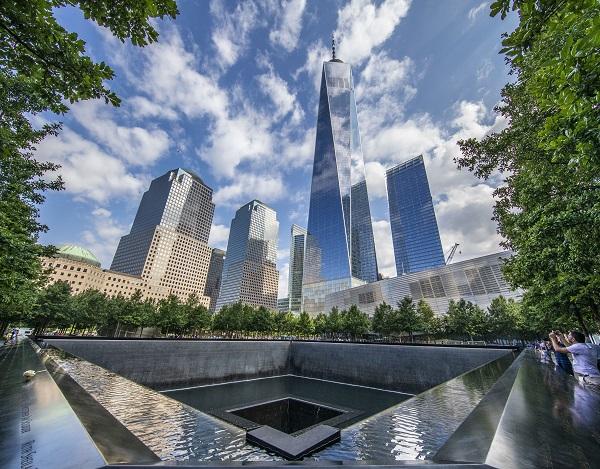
(452, 252)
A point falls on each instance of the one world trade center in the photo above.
(340, 249)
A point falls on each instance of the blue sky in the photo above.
(231, 89)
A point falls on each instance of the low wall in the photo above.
(405, 368)
(163, 364)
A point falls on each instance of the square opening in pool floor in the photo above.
(287, 415)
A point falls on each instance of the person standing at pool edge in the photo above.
(585, 356)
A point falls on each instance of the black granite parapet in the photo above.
(293, 447)
(38, 428)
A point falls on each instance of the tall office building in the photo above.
(297, 248)
(167, 245)
(340, 249)
(213, 279)
(415, 234)
(249, 271)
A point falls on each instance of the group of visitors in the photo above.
(585, 356)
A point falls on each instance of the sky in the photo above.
(230, 91)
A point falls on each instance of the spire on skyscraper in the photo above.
(332, 47)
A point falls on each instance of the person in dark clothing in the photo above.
(562, 361)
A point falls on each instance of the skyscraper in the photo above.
(213, 279)
(167, 244)
(340, 249)
(297, 248)
(415, 234)
(249, 271)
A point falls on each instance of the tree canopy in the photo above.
(548, 208)
(43, 67)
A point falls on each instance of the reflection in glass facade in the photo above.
(478, 280)
(213, 279)
(415, 234)
(249, 271)
(297, 248)
(167, 245)
(340, 249)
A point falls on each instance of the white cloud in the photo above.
(276, 88)
(88, 172)
(104, 237)
(142, 107)
(231, 29)
(171, 81)
(288, 24)
(473, 12)
(464, 217)
(136, 145)
(219, 235)
(248, 186)
(384, 87)
(234, 140)
(384, 248)
(376, 182)
(362, 26)
(316, 54)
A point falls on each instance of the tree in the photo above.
(284, 322)
(355, 322)
(42, 68)
(320, 322)
(305, 325)
(334, 321)
(381, 318)
(171, 315)
(229, 318)
(197, 316)
(464, 319)
(90, 309)
(406, 318)
(548, 209)
(428, 321)
(502, 317)
(54, 307)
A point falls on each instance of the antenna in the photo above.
(332, 47)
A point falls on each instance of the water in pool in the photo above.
(257, 398)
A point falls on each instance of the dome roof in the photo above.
(77, 253)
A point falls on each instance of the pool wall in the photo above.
(407, 368)
(164, 364)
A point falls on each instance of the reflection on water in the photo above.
(169, 428)
(418, 427)
(415, 429)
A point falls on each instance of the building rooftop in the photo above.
(77, 253)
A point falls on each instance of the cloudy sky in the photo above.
(231, 89)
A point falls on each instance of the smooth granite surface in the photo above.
(167, 364)
(38, 428)
(293, 447)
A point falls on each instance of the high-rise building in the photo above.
(249, 271)
(415, 234)
(167, 245)
(340, 248)
(297, 248)
(213, 279)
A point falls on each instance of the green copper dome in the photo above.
(77, 253)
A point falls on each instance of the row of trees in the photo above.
(93, 311)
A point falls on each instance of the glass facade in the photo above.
(213, 279)
(340, 248)
(167, 245)
(297, 248)
(249, 271)
(178, 200)
(415, 234)
(478, 280)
